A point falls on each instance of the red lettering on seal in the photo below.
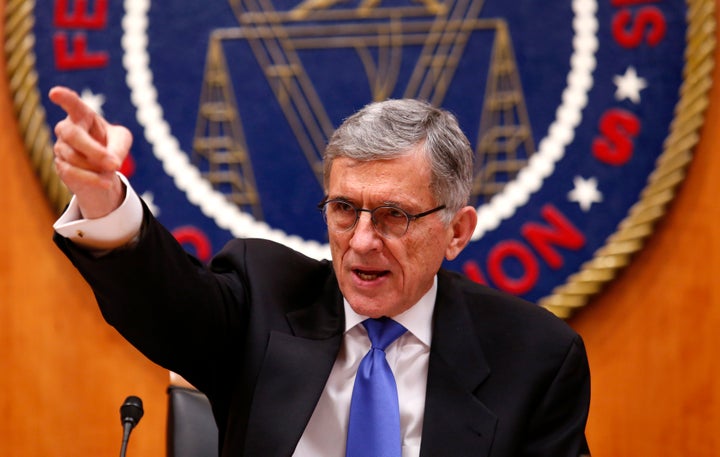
(81, 18)
(72, 53)
(618, 128)
(630, 30)
(560, 232)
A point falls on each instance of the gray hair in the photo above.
(393, 128)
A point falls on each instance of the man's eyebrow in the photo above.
(341, 198)
(337, 197)
(393, 203)
(408, 207)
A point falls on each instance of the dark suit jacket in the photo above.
(259, 330)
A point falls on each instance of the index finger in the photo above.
(71, 103)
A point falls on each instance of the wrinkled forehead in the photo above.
(402, 179)
(415, 156)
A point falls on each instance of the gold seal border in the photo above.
(580, 287)
(663, 182)
(22, 79)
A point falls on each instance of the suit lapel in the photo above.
(455, 422)
(296, 368)
(293, 375)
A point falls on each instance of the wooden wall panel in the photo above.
(652, 335)
(63, 372)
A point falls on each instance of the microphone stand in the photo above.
(127, 428)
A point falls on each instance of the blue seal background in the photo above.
(541, 34)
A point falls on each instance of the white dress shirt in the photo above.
(408, 357)
(326, 433)
(112, 231)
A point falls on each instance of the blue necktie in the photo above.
(374, 428)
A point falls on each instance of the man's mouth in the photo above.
(368, 275)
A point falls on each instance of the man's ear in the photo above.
(462, 226)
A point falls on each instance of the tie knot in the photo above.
(383, 331)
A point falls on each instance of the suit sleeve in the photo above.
(557, 428)
(169, 305)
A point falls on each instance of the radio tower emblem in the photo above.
(406, 50)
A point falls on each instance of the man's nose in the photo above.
(365, 237)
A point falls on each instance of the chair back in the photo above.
(191, 429)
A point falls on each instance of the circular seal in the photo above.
(582, 114)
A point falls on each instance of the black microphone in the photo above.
(130, 414)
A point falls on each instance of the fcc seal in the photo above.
(582, 113)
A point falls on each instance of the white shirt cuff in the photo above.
(112, 231)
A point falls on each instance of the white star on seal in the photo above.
(629, 85)
(148, 198)
(585, 192)
(94, 101)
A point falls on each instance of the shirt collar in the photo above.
(417, 319)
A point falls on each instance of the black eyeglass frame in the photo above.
(410, 217)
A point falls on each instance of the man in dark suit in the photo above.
(275, 339)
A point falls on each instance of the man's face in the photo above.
(380, 276)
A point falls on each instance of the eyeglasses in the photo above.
(389, 221)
